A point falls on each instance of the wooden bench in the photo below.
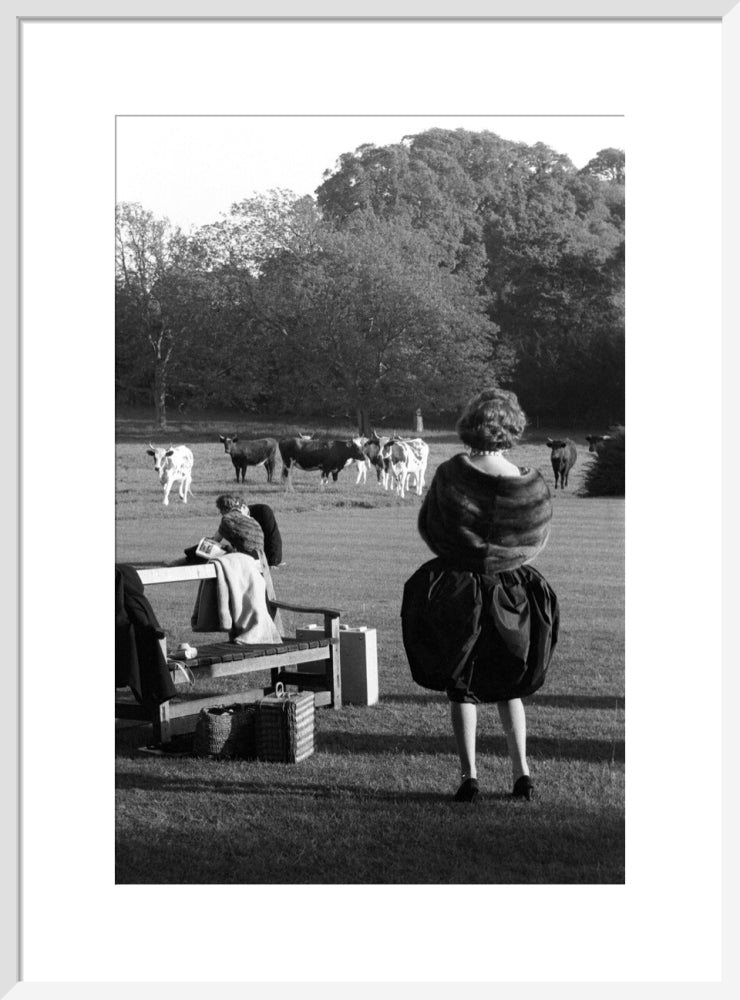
(227, 659)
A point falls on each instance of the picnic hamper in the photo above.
(285, 726)
(227, 731)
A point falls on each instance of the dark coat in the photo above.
(140, 662)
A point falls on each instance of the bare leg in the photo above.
(514, 724)
(464, 723)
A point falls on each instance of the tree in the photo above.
(372, 321)
(178, 321)
(542, 242)
(258, 228)
(146, 252)
(608, 165)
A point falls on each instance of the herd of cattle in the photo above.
(400, 464)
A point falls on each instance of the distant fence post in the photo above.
(419, 422)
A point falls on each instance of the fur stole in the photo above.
(482, 523)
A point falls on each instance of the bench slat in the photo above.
(177, 574)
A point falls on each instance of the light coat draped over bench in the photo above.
(236, 601)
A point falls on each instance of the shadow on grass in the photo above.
(413, 699)
(537, 746)
(373, 837)
(303, 790)
(347, 743)
(240, 786)
(575, 701)
(549, 701)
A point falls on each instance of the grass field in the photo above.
(372, 805)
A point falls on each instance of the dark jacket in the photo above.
(140, 661)
(265, 517)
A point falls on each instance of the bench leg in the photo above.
(161, 723)
(333, 664)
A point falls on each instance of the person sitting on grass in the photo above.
(478, 621)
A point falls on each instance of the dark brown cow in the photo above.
(258, 451)
(596, 441)
(563, 459)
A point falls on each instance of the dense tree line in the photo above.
(418, 273)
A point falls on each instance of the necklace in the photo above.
(478, 451)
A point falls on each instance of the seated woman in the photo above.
(248, 528)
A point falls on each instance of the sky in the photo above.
(192, 169)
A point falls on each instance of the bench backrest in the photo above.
(177, 574)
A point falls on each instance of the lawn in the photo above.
(373, 803)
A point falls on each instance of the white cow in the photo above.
(361, 464)
(417, 465)
(173, 465)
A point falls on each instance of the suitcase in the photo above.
(285, 726)
(358, 658)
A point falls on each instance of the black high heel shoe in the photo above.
(468, 791)
(523, 788)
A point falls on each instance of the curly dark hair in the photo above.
(229, 501)
(491, 421)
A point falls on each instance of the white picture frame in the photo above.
(70, 473)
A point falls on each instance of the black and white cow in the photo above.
(563, 459)
(258, 451)
(330, 457)
(173, 465)
(371, 447)
(403, 459)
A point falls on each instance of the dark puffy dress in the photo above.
(477, 621)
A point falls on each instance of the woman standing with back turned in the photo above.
(478, 621)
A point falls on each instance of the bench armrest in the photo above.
(329, 612)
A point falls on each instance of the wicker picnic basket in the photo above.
(285, 726)
(226, 731)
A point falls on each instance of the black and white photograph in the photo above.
(331, 329)
(370, 368)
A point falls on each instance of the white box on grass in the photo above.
(358, 652)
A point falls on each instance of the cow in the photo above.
(371, 449)
(259, 451)
(330, 457)
(361, 463)
(596, 441)
(173, 465)
(392, 454)
(416, 466)
(563, 459)
(403, 459)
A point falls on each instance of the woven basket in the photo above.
(226, 731)
(285, 726)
